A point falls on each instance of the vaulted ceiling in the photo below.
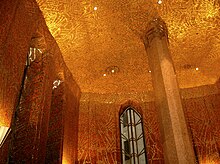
(101, 45)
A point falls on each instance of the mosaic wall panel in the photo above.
(152, 133)
(55, 130)
(202, 114)
(15, 16)
(30, 124)
(107, 32)
(71, 122)
(99, 133)
(7, 14)
(31, 118)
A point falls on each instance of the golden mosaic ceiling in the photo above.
(101, 45)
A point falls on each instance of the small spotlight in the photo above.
(95, 8)
(149, 71)
(159, 2)
(104, 74)
(113, 71)
(197, 69)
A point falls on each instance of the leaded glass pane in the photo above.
(132, 138)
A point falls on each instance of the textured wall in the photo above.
(97, 138)
(99, 134)
(63, 126)
(71, 121)
(24, 27)
(55, 130)
(202, 114)
(152, 133)
(31, 119)
(16, 15)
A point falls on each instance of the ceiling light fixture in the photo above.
(95, 8)
(159, 2)
(111, 70)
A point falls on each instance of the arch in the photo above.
(130, 103)
(133, 149)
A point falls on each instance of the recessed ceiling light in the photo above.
(159, 2)
(149, 71)
(197, 69)
(111, 70)
(95, 8)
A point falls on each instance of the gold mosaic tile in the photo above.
(94, 35)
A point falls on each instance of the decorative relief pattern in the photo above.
(99, 133)
(55, 129)
(152, 133)
(98, 122)
(202, 115)
(194, 38)
(86, 36)
(13, 50)
(30, 119)
(201, 109)
(156, 28)
(92, 40)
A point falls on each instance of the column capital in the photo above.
(156, 28)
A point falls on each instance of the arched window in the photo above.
(133, 149)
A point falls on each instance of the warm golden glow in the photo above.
(212, 158)
(94, 35)
(5, 115)
(64, 161)
(3, 133)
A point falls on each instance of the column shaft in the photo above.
(176, 141)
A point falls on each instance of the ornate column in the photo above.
(176, 141)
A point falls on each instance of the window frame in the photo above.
(132, 125)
